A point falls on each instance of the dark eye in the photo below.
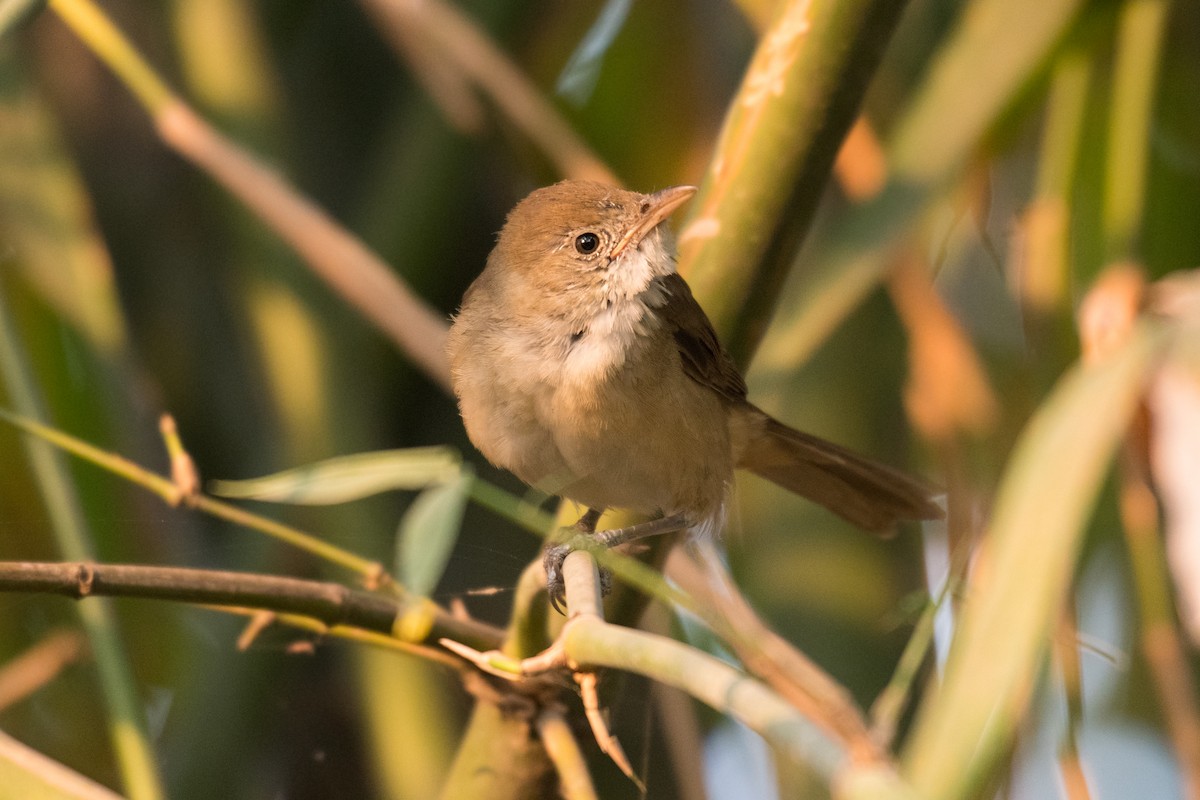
(586, 243)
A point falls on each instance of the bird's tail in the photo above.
(869, 494)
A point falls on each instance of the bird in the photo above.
(583, 364)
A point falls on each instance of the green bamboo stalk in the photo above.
(995, 51)
(781, 135)
(1140, 32)
(1045, 284)
(126, 722)
(500, 758)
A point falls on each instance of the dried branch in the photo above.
(1066, 660)
(335, 255)
(331, 603)
(38, 665)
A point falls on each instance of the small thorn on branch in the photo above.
(85, 579)
(184, 474)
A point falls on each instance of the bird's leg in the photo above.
(586, 535)
(616, 537)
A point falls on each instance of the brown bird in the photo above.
(583, 365)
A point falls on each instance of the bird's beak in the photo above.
(655, 210)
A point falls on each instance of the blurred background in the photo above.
(136, 286)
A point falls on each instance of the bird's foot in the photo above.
(580, 536)
(584, 536)
(553, 560)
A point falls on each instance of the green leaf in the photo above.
(428, 531)
(1024, 571)
(346, 478)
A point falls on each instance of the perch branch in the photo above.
(330, 603)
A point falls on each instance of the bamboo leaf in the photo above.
(27, 773)
(346, 478)
(428, 532)
(1024, 571)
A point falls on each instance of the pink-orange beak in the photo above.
(655, 210)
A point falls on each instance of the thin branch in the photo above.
(465, 49)
(766, 654)
(1066, 660)
(557, 737)
(346, 632)
(588, 641)
(330, 603)
(173, 495)
(891, 703)
(39, 665)
(335, 255)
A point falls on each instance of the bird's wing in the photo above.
(704, 360)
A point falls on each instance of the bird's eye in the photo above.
(586, 243)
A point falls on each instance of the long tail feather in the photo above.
(869, 494)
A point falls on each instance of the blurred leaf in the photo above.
(46, 216)
(947, 391)
(998, 48)
(15, 13)
(428, 532)
(1043, 283)
(346, 478)
(1131, 118)
(579, 76)
(1024, 570)
(26, 773)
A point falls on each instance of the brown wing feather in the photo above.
(869, 494)
(704, 360)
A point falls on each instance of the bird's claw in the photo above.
(552, 562)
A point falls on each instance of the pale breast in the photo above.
(643, 436)
(503, 389)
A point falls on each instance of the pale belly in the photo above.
(646, 438)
